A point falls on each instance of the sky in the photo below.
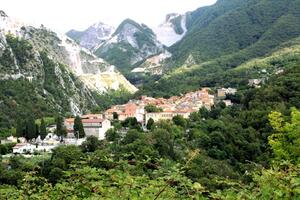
(63, 15)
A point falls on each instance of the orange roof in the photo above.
(92, 121)
(92, 116)
(185, 110)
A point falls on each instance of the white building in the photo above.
(23, 148)
(92, 127)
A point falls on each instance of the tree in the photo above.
(59, 125)
(91, 144)
(43, 130)
(37, 130)
(78, 127)
(112, 135)
(30, 128)
(285, 142)
(131, 122)
(19, 128)
(150, 108)
(69, 153)
(180, 121)
(150, 123)
(204, 113)
(164, 142)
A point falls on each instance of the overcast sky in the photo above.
(63, 15)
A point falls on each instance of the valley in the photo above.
(205, 105)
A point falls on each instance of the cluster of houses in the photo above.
(176, 105)
(97, 124)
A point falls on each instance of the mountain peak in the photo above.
(171, 16)
(93, 36)
(3, 14)
(125, 23)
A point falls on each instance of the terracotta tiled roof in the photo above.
(92, 121)
(89, 116)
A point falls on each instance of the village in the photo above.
(142, 110)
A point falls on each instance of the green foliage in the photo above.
(131, 122)
(20, 100)
(6, 148)
(150, 124)
(230, 26)
(30, 130)
(91, 144)
(21, 49)
(112, 135)
(60, 130)
(68, 154)
(114, 97)
(285, 142)
(43, 131)
(163, 142)
(179, 121)
(6, 58)
(78, 128)
(150, 108)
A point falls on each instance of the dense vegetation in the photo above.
(212, 74)
(246, 151)
(105, 101)
(229, 26)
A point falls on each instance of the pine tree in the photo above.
(37, 131)
(30, 129)
(43, 131)
(19, 128)
(59, 126)
(78, 128)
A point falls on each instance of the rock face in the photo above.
(153, 65)
(172, 29)
(131, 43)
(55, 63)
(93, 36)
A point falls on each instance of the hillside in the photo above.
(212, 74)
(256, 27)
(58, 75)
(224, 36)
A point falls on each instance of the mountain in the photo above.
(93, 36)
(172, 29)
(131, 43)
(230, 26)
(44, 73)
(224, 36)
